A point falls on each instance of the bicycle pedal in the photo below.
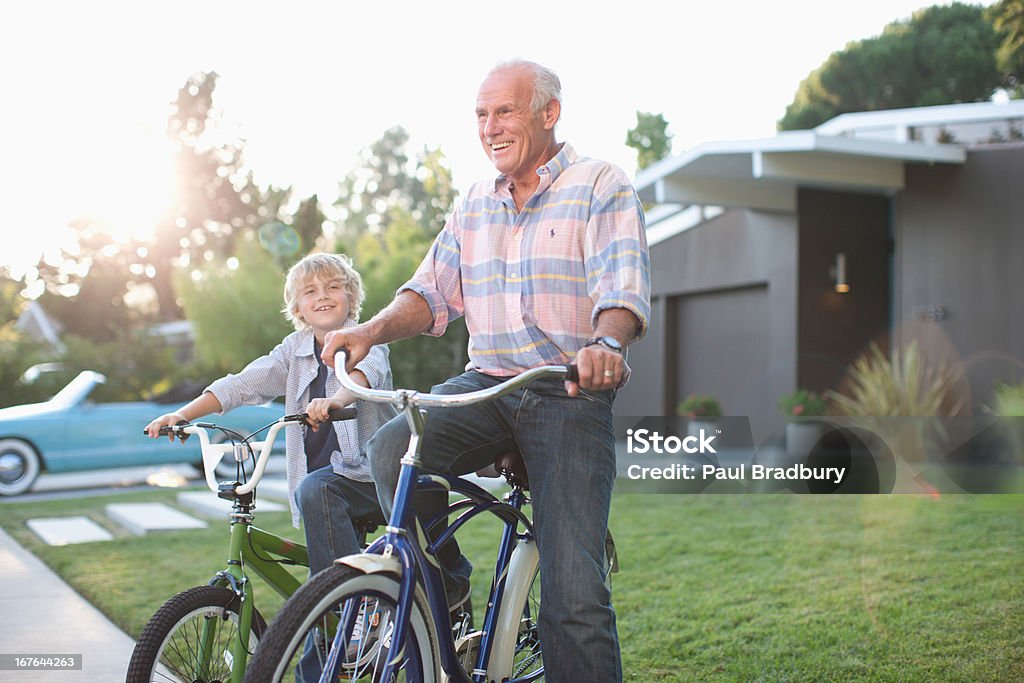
(466, 649)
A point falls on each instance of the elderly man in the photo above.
(549, 265)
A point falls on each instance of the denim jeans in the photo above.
(568, 447)
(328, 503)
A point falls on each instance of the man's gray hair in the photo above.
(546, 86)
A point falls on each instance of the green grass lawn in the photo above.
(712, 587)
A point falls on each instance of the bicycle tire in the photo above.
(302, 618)
(167, 641)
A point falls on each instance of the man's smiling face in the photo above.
(516, 139)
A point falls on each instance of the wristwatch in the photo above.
(607, 342)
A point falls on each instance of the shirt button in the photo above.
(519, 235)
(514, 276)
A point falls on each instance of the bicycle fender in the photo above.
(372, 564)
(521, 569)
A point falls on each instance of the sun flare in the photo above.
(131, 188)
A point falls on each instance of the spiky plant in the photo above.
(901, 385)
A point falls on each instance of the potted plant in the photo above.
(702, 410)
(802, 434)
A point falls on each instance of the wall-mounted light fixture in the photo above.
(838, 272)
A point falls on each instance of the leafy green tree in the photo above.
(392, 208)
(135, 363)
(1007, 17)
(942, 55)
(89, 290)
(308, 222)
(387, 179)
(18, 353)
(235, 308)
(215, 201)
(387, 261)
(11, 301)
(650, 138)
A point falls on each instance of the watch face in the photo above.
(611, 343)
(607, 342)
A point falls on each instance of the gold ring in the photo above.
(609, 373)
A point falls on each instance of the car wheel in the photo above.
(19, 466)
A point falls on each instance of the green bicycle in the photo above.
(207, 633)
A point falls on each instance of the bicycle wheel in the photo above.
(170, 645)
(302, 633)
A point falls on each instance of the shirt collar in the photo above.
(307, 341)
(548, 173)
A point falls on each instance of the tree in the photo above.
(942, 55)
(387, 179)
(1007, 17)
(11, 301)
(89, 288)
(235, 307)
(650, 138)
(393, 208)
(214, 200)
(387, 261)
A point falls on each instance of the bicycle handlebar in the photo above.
(400, 397)
(213, 452)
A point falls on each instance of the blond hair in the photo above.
(325, 267)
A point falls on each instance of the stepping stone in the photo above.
(142, 518)
(68, 530)
(207, 503)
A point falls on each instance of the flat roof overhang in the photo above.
(765, 174)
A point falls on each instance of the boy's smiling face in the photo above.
(323, 304)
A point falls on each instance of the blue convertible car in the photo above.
(70, 433)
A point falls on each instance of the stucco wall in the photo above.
(960, 262)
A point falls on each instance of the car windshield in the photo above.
(77, 389)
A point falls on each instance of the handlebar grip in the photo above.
(336, 414)
(572, 373)
(165, 430)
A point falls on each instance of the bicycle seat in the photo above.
(510, 465)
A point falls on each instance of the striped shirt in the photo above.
(288, 370)
(532, 282)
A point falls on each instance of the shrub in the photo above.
(901, 385)
(699, 406)
(803, 403)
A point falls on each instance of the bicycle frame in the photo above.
(248, 547)
(405, 551)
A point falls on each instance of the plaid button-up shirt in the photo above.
(531, 283)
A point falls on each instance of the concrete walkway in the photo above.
(42, 615)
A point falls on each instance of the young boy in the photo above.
(329, 480)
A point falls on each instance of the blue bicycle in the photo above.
(383, 615)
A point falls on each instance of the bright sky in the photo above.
(308, 84)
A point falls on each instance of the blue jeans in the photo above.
(328, 503)
(568, 447)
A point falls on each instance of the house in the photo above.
(776, 262)
(37, 324)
